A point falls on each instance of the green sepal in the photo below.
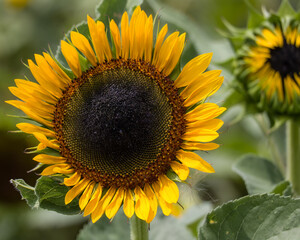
(27, 192)
(286, 9)
(173, 176)
(255, 17)
(283, 188)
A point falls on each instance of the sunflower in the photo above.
(273, 65)
(118, 122)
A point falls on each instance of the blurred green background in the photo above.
(29, 27)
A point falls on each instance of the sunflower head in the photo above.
(267, 63)
(116, 120)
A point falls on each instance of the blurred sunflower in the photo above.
(267, 61)
(275, 62)
(120, 123)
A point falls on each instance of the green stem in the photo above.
(138, 229)
(293, 156)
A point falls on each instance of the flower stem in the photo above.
(293, 156)
(138, 228)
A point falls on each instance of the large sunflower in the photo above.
(121, 124)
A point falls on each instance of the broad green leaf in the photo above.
(26, 191)
(257, 217)
(51, 196)
(283, 188)
(260, 175)
(105, 229)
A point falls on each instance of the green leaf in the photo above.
(26, 191)
(260, 175)
(257, 217)
(104, 229)
(283, 188)
(51, 195)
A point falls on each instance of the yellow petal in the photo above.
(159, 40)
(31, 128)
(76, 190)
(48, 159)
(176, 54)
(212, 124)
(84, 46)
(125, 35)
(169, 190)
(54, 169)
(200, 135)
(86, 195)
(102, 204)
(115, 33)
(57, 68)
(200, 81)
(73, 180)
(165, 207)
(204, 92)
(192, 160)
(46, 70)
(152, 201)
(115, 204)
(42, 138)
(193, 69)
(43, 80)
(199, 146)
(181, 170)
(204, 111)
(90, 207)
(128, 205)
(148, 39)
(142, 205)
(72, 57)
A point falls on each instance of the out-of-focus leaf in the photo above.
(255, 17)
(256, 217)
(260, 175)
(26, 191)
(51, 196)
(283, 188)
(106, 230)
